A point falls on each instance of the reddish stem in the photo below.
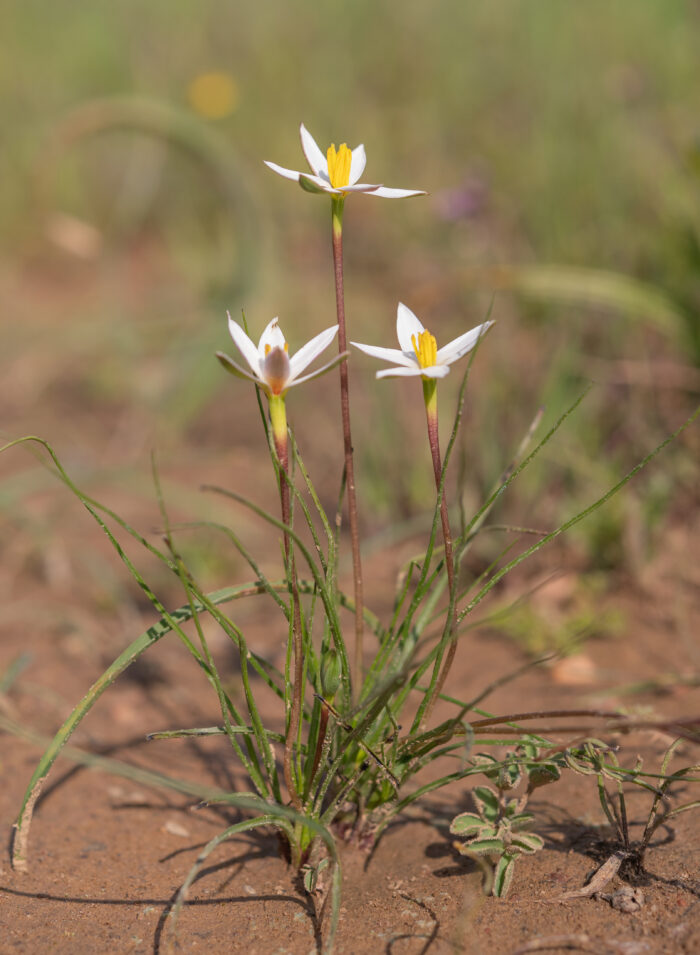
(337, 209)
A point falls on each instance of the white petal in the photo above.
(434, 371)
(244, 345)
(388, 354)
(358, 163)
(314, 156)
(460, 346)
(360, 187)
(399, 372)
(281, 171)
(385, 193)
(407, 325)
(319, 371)
(313, 348)
(273, 337)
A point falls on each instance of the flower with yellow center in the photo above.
(418, 353)
(270, 365)
(337, 172)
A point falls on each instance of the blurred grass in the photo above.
(554, 139)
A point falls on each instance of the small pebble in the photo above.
(175, 829)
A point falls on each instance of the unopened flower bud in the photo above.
(331, 672)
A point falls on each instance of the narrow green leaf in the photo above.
(160, 629)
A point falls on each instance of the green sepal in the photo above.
(226, 362)
(308, 185)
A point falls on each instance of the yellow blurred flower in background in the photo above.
(213, 95)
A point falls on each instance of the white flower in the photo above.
(419, 354)
(337, 172)
(270, 365)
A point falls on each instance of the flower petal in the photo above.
(314, 156)
(272, 337)
(281, 171)
(319, 371)
(357, 163)
(400, 372)
(360, 187)
(434, 371)
(313, 348)
(245, 345)
(388, 354)
(386, 193)
(407, 325)
(230, 365)
(460, 346)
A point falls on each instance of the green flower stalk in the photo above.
(431, 414)
(271, 369)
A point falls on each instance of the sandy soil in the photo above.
(107, 855)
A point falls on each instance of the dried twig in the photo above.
(599, 880)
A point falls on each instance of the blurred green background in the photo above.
(560, 145)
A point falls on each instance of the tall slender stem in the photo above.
(440, 674)
(337, 218)
(430, 395)
(278, 418)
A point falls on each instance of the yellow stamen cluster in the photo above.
(268, 348)
(425, 348)
(339, 165)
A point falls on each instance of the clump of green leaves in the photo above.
(499, 830)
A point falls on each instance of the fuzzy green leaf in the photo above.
(503, 876)
(521, 820)
(509, 776)
(482, 847)
(527, 842)
(466, 822)
(486, 802)
(543, 773)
